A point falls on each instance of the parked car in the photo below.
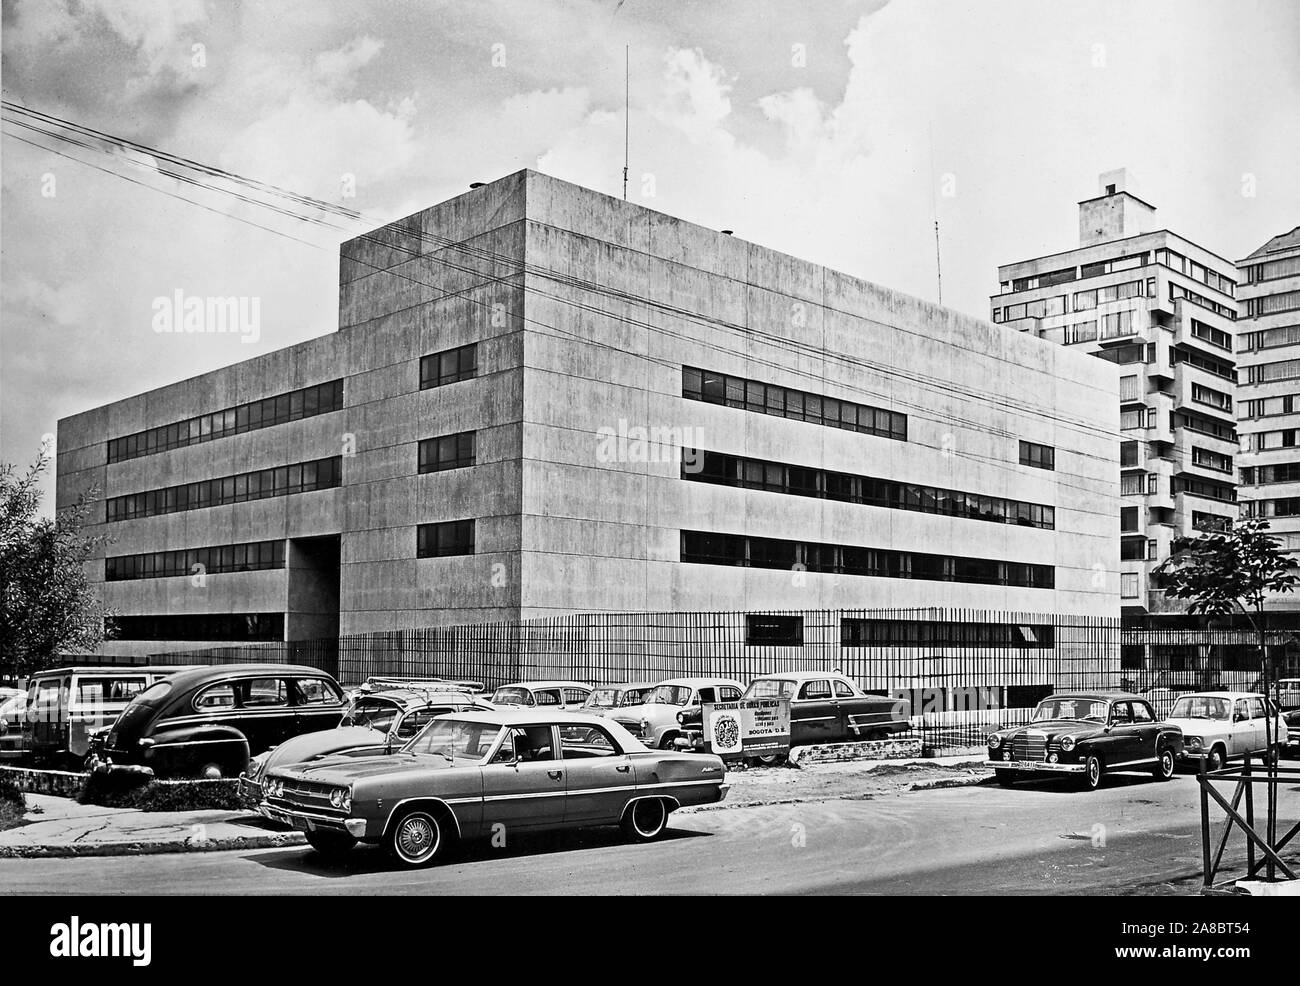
(1086, 734)
(1288, 694)
(65, 706)
(13, 713)
(655, 722)
(375, 723)
(605, 698)
(566, 695)
(468, 773)
(208, 722)
(1292, 720)
(1223, 726)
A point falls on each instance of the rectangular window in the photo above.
(765, 398)
(221, 424)
(773, 631)
(455, 537)
(447, 452)
(1128, 585)
(449, 366)
(1037, 456)
(215, 626)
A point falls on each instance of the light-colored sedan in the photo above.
(658, 721)
(1223, 726)
(564, 695)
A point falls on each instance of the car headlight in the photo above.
(681, 718)
(994, 741)
(1067, 744)
(1193, 742)
(645, 725)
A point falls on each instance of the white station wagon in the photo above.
(1223, 726)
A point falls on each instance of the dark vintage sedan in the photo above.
(375, 723)
(208, 722)
(472, 774)
(1086, 735)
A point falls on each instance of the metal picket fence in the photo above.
(956, 673)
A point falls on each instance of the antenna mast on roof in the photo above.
(934, 206)
(627, 85)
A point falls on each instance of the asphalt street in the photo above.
(1134, 836)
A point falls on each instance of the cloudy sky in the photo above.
(831, 130)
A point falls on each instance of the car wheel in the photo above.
(330, 844)
(667, 742)
(1006, 777)
(416, 838)
(646, 819)
(1214, 759)
(1164, 768)
(1093, 771)
(772, 759)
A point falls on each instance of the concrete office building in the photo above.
(1268, 357)
(543, 400)
(1163, 309)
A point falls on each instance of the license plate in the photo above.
(1029, 765)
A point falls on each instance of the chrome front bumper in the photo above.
(1038, 765)
(305, 821)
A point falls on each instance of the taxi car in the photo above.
(659, 720)
(376, 722)
(1223, 726)
(547, 694)
(1086, 734)
(466, 774)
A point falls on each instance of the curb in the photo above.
(272, 840)
(942, 782)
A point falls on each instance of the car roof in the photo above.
(1221, 694)
(696, 682)
(528, 717)
(547, 683)
(629, 684)
(799, 676)
(112, 669)
(419, 696)
(199, 675)
(1100, 696)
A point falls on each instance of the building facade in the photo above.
(1164, 311)
(1268, 346)
(543, 400)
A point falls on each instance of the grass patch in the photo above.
(128, 789)
(13, 805)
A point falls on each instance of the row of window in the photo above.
(1214, 398)
(866, 632)
(1282, 335)
(1284, 507)
(251, 556)
(453, 537)
(1082, 301)
(1210, 522)
(449, 366)
(1263, 441)
(301, 477)
(1268, 407)
(1207, 459)
(707, 548)
(1065, 275)
(778, 477)
(1271, 270)
(1278, 472)
(1207, 488)
(1271, 304)
(1087, 300)
(210, 626)
(1134, 352)
(1202, 426)
(1208, 333)
(785, 402)
(1177, 291)
(447, 452)
(1287, 369)
(1139, 549)
(1210, 364)
(304, 403)
(1197, 272)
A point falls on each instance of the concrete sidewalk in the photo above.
(62, 827)
(55, 826)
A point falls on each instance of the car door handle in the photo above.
(623, 768)
(555, 775)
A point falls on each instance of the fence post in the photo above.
(1202, 780)
(1250, 816)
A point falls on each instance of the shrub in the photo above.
(119, 788)
(13, 804)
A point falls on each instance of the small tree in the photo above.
(1230, 572)
(46, 603)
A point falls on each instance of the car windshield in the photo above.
(1201, 707)
(602, 698)
(370, 712)
(635, 696)
(669, 695)
(13, 704)
(511, 695)
(769, 688)
(454, 740)
(1071, 708)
